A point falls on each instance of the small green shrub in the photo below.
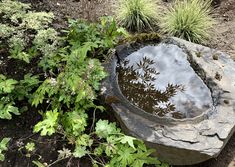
(3, 147)
(71, 93)
(12, 92)
(67, 91)
(105, 34)
(189, 19)
(26, 33)
(137, 15)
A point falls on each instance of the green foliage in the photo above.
(76, 84)
(123, 150)
(30, 146)
(72, 88)
(80, 151)
(26, 32)
(7, 111)
(66, 93)
(36, 20)
(12, 91)
(65, 153)
(11, 8)
(3, 147)
(137, 15)
(189, 19)
(6, 30)
(41, 41)
(71, 94)
(26, 87)
(75, 122)
(105, 35)
(38, 164)
(49, 124)
(103, 128)
(6, 85)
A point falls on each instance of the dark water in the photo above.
(160, 80)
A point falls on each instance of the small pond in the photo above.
(160, 80)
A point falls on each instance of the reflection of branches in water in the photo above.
(137, 84)
(163, 108)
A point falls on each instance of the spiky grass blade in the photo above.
(189, 19)
(137, 15)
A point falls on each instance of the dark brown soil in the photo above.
(224, 31)
(20, 128)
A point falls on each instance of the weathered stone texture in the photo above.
(186, 141)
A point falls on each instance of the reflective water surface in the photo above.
(160, 80)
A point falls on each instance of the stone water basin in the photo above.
(178, 97)
(160, 80)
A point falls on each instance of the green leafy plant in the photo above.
(73, 88)
(12, 91)
(71, 94)
(3, 147)
(26, 32)
(49, 124)
(66, 94)
(30, 147)
(122, 150)
(7, 86)
(137, 15)
(105, 34)
(189, 19)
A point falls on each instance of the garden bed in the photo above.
(20, 129)
(224, 31)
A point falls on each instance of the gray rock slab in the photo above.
(184, 141)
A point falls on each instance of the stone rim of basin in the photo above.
(189, 141)
(123, 51)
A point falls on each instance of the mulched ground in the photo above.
(224, 31)
(20, 128)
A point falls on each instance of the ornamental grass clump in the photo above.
(189, 19)
(137, 15)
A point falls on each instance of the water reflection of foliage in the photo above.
(137, 84)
